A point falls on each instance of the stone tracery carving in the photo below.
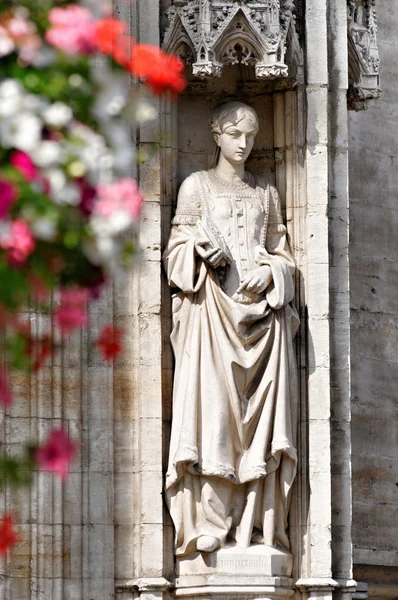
(253, 32)
(363, 52)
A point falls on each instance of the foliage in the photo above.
(68, 205)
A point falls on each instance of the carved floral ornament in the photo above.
(363, 53)
(211, 33)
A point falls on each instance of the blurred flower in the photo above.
(56, 180)
(11, 95)
(122, 196)
(57, 115)
(73, 29)
(69, 194)
(38, 288)
(22, 131)
(44, 229)
(19, 34)
(5, 390)
(110, 342)
(144, 111)
(8, 537)
(71, 313)
(18, 242)
(24, 164)
(8, 195)
(39, 349)
(87, 197)
(111, 38)
(6, 43)
(19, 27)
(159, 70)
(57, 453)
(47, 153)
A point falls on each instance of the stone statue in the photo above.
(232, 455)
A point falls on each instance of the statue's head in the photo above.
(234, 126)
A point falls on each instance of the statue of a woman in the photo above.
(232, 455)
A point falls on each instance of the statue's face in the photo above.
(236, 141)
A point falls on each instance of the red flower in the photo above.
(57, 453)
(112, 39)
(8, 537)
(8, 195)
(39, 349)
(5, 390)
(110, 342)
(160, 71)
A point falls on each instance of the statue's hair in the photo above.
(230, 113)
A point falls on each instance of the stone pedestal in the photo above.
(232, 571)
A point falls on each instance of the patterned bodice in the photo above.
(240, 213)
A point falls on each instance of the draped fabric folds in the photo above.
(232, 458)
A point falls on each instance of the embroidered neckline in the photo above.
(247, 180)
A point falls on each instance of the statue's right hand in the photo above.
(214, 256)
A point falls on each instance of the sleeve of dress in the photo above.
(277, 255)
(184, 268)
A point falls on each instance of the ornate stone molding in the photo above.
(363, 53)
(211, 33)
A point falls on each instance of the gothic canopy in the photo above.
(211, 33)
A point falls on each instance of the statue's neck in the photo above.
(230, 172)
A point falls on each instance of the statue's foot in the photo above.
(257, 538)
(207, 543)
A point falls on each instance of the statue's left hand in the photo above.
(257, 280)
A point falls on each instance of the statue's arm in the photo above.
(276, 240)
(188, 203)
(184, 268)
(277, 255)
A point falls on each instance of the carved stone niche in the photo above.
(212, 33)
(363, 53)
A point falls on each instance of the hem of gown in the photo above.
(229, 473)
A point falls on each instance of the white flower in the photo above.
(113, 94)
(44, 229)
(68, 194)
(56, 178)
(145, 111)
(23, 132)
(33, 103)
(99, 250)
(47, 153)
(57, 115)
(6, 44)
(119, 138)
(11, 94)
(111, 225)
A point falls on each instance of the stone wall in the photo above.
(374, 324)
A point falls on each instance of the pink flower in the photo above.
(71, 313)
(8, 195)
(73, 29)
(19, 27)
(5, 390)
(122, 196)
(18, 242)
(24, 164)
(57, 453)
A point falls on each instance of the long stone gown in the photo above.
(232, 456)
